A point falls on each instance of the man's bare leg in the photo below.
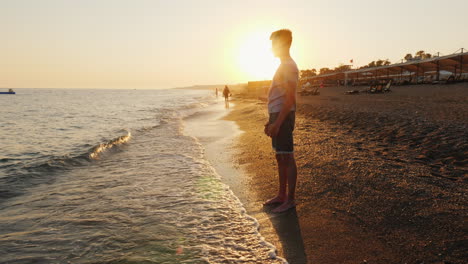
(292, 177)
(291, 170)
(283, 177)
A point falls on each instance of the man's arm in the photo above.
(290, 95)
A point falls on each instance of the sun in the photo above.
(255, 59)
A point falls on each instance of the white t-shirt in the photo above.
(286, 72)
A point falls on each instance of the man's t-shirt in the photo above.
(286, 72)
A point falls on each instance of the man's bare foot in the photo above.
(288, 204)
(275, 200)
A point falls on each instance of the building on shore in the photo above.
(450, 68)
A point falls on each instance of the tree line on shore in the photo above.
(420, 55)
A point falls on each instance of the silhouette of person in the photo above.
(280, 126)
(226, 93)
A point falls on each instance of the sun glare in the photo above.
(255, 59)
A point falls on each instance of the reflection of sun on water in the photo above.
(255, 59)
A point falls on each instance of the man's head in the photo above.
(281, 42)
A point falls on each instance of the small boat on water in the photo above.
(10, 91)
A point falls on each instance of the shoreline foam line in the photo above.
(210, 138)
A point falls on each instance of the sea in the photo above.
(111, 176)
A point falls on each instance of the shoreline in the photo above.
(382, 178)
(282, 230)
(220, 152)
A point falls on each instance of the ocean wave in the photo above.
(51, 163)
(21, 176)
(98, 150)
(94, 153)
(196, 114)
(168, 115)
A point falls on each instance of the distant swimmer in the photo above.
(280, 126)
(226, 93)
(216, 92)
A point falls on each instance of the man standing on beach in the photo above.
(280, 126)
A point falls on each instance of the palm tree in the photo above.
(324, 70)
(420, 54)
(408, 57)
(308, 73)
(342, 68)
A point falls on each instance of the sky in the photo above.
(165, 44)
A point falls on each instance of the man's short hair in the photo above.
(283, 35)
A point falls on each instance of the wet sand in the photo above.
(382, 177)
(217, 137)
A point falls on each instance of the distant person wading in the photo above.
(226, 93)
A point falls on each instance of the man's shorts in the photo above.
(283, 142)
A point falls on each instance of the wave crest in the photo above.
(97, 151)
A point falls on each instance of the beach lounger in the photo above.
(386, 89)
(450, 79)
(314, 91)
(352, 92)
(368, 90)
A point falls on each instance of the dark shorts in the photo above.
(283, 142)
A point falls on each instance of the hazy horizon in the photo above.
(159, 44)
(196, 86)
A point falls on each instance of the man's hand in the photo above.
(272, 129)
(265, 129)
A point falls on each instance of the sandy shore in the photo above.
(382, 177)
